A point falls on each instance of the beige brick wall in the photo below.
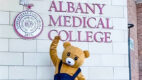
(29, 59)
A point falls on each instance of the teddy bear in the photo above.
(67, 68)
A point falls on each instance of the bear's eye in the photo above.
(68, 54)
(75, 58)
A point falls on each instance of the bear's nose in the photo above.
(69, 62)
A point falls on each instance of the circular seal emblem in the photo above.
(28, 24)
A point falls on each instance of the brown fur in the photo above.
(75, 52)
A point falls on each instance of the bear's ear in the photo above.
(66, 44)
(86, 53)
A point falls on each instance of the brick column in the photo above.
(139, 18)
(132, 18)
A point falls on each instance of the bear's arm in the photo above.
(53, 50)
(80, 77)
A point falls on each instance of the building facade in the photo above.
(134, 17)
(29, 59)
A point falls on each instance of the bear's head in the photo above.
(73, 56)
